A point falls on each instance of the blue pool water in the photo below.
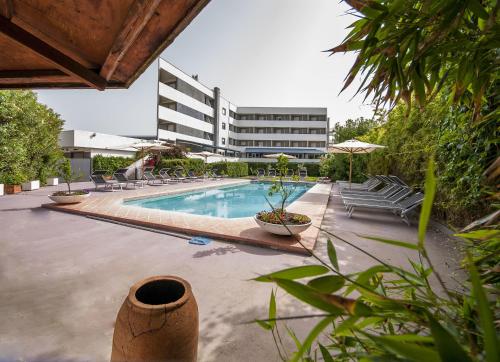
(228, 202)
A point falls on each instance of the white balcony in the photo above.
(278, 136)
(186, 78)
(179, 97)
(170, 115)
(174, 136)
(292, 124)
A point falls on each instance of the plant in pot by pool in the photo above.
(278, 220)
(12, 182)
(68, 197)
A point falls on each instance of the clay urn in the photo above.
(158, 321)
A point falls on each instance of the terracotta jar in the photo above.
(158, 321)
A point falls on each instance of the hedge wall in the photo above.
(231, 169)
(312, 168)
(195, 164)
(111, 163)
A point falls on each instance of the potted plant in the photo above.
(278, 220)
(30, 185)
(12, 183)
(68, 197)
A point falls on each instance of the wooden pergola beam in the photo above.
(138, 17)
(48, 52)
(6, 8)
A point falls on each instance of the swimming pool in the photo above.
(227, 202)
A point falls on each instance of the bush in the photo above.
(195, 164)
(110, 163)
(29, 133)
(312, 168)
(231, 169)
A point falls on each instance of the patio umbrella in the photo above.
(206, 155)
(351, 147)
(143, 146)
(281, 154)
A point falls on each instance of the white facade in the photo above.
(201, 118)
(85, 143)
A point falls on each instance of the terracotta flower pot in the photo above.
(12, 189)
(158, 321)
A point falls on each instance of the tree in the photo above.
(29, 133)
(409, 48)
(336, 166)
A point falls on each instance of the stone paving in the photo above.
(63, 278)
(110, 205)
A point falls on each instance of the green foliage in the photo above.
(195, 164)
(398, 313)
(110, 163)
(64, 171)
(282, 165)
(312, 168)
(29, 134)
(231, 169)
(462, 152)
(410, 49)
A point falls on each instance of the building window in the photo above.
(223, 125)
(223, 141)
(223, 111)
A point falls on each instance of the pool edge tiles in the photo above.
(244, 230)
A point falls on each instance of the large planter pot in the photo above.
(12, 189)
(52, 181)
(69, 199)
(30, 185)
(158, 321)
(279, 229)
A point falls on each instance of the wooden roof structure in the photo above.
(86, 43)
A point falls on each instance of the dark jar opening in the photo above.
(160, 292)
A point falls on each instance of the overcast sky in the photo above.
(259, 52)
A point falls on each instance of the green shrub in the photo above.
(231, 169)
(29, 133)
(195, 164)
(312, 168)
(110, 163)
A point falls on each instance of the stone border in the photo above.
(245, 230)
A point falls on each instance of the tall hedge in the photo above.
(312, 168)
(195, 164)
(29, 133)
(110, 163)
(231, 169)
(462, 151)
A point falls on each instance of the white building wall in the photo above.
(223, 137)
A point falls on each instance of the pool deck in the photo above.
(109, 205)
(63, 278)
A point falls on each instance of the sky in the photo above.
(258, 52)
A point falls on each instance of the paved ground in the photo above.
(63, 278)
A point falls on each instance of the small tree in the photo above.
(285, 190)
(65, 172)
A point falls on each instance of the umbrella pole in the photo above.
(350, 169)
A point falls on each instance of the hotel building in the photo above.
(201, 118)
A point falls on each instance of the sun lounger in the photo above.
(120, 175)
(149, 177)
(179, 176)
(302, 173)
(394, 197)
(165, 177)
(261, 172)
(192, 176)
(271, 172)
(401, 208)
(97, 177)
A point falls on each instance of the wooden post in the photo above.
(350, 169)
